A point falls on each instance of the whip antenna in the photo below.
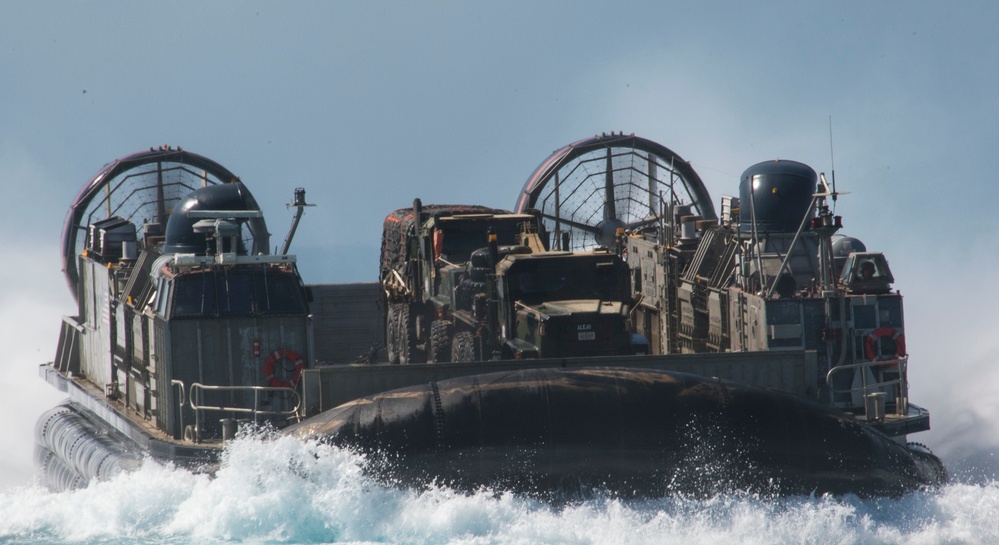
(832, 160)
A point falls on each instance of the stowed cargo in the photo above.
(400, 227)
(478, 284)
(514, 304)
(425, 250)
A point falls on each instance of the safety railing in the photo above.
(197, 392)
(181, 401)
(868, 387)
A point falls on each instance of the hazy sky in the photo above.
(370, 104)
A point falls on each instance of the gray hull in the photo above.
(553, 432)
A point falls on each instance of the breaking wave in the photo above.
(282, 490)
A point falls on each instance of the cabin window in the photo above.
(194, 295)
(279, 293)
(229, 292)
(235, 289)
(457, 240)
(161, 296)
(866, 272)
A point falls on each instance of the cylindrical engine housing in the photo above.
(780, 191)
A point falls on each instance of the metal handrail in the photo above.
(255, 410)
(180, 406)
(865, 388)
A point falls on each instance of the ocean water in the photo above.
(282, 490)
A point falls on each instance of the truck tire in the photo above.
(466, 292)
(478, 274)
(392, 333)
(463, 347)
(440, 342)
(407, 341)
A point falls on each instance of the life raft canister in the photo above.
(271, 361)
(870, 343)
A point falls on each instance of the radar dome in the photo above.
(843, 246)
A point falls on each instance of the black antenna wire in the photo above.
(832, 163)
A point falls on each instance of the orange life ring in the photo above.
(276, 356)
(870, 348)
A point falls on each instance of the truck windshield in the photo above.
(537, 281)
(461, 238)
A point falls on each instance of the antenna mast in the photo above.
(832, 160)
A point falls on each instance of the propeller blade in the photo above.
(610, 208)
(653, 182)
(642, 223)
(593, 229)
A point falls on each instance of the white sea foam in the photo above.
(281, 490)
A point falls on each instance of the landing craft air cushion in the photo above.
(188, 328)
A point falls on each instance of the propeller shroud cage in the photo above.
(590, 189)
(144, 188)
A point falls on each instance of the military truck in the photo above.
(425, 250)
(515, 304)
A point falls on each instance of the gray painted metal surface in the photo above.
(348, 321)
(793, 372)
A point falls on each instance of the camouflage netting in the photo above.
(400, 223)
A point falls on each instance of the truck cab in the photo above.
(543, 305)
(566, 304)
